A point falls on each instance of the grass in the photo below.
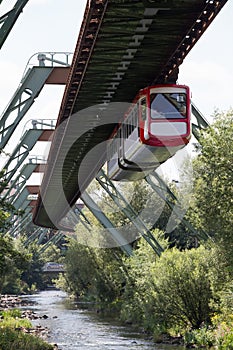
(11, 338)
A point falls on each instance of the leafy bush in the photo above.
(11, 339)
(13, 313)
(227, 342)
(202, 337)
(183, 288)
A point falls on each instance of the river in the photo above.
(72, 327)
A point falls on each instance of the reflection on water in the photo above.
(73, 328)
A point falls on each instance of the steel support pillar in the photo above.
(8, 20)
(165, 193)
(25, 220)
(41, 236)
(53, 240)
(200, 121)
(22, 150)
(33, 236)
(22, 100)
(13, 219)
(31, 85)
(18, 183)
(106, 223)
(128, 210)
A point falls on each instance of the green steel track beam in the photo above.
(8, 20)
(128, 210)
(106, 223)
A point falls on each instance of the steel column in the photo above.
(22, 100)
(201, 122)
(130, 213)
(171, 200)
(106, 223)
(8, 20)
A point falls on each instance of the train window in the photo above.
(168, 105)
(131, 121)
(143, 108)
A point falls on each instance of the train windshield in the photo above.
(168, 105)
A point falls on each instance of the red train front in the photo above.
(156, 126)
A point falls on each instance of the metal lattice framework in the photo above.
(128, 210)
(29, 89)
(8, 20)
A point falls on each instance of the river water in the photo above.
(72, 327)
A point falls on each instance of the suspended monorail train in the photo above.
(154, 128)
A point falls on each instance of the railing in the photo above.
(53, 59)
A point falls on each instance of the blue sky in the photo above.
(52, 25)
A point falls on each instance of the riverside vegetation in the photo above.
(13, 336)
(186, 294)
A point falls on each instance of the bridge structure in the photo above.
(53, 267)
(123, 46)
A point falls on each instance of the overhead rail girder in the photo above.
(106, 223)
(128, 210)
(8, 20)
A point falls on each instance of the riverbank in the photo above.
(16, 329)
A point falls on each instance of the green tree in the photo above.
(12, 263)
(93, 273)
(213, 179)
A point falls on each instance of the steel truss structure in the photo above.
(8, 20)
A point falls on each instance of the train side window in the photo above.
(143, 109)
